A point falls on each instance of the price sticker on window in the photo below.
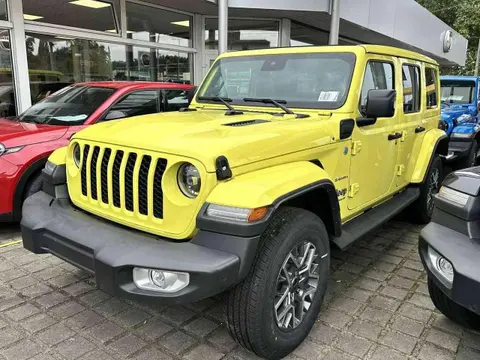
(328, 96)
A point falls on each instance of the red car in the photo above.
(26, 141)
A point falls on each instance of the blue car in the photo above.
(461, 119)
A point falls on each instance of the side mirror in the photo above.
(380, 104)
(115, 114)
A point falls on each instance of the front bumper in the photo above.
(464, 254)
(214, 261)
(458, 149)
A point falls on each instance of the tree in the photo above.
(462, 15)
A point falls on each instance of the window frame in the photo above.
(420, 105)
(381, 61)
(437, 87)
(110, 108)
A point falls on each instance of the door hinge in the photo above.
(353, 190)
(404, 135)
(356, 147)
(400, 169)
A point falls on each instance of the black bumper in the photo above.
(215, 262)
(458, 149)
(464, 255)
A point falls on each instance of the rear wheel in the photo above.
(422, 209)
(452, 310)
(272, 311)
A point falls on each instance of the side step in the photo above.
(370, 220)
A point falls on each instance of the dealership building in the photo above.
(46, 44)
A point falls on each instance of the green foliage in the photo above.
(462, 15)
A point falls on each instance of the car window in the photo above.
(432, 90)
(378, 76)
(411, 88)
(174, 100)
(138, 103)
(69, 106)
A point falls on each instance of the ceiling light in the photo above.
(116, 32)
(64, 38)
(185, 23)
(94, 4)
(32, 17)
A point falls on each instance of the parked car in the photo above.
(282, 154)
(449, 248)
(460, 106)
(26, 141)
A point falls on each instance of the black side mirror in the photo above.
(380, 104)
(115, 114)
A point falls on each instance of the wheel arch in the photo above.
(435, 142)
(22, 183)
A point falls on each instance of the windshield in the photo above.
(458, 91)
(69, 106)
(314, 80)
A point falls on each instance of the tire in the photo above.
(250, 313)
(34, 185)
(422, 209)
(470, 160)
(453, 311)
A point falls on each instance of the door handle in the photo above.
(394, 136)
(419, 129)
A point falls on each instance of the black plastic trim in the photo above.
(346, 128)
(57, 177)
(22, 183)
(7, 217)
(257, 228)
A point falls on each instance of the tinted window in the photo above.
(311, 80)
(70, 106)
(457, 91)
(175, 99)
(411, 88)
(378, 76)
(138, 103)
(432, 91)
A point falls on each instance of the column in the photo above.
(334, 22)
(222, 26)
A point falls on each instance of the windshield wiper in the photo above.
(278, 104)
(224, 101)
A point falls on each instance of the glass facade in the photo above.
(158, 25)
(85, 14)
(7, 89)
(243, 34)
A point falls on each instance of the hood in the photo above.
(453, 113)
(205, 135)
(15, 133)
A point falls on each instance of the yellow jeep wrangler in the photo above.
(282, 154)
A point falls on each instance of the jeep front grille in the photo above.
(129, 174)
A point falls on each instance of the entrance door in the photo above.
(208, 60)
(374, 155)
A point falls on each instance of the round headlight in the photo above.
(189, 180)
(76, 155)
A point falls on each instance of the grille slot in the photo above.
(117, 163)
(123, 179)
(143, 185)
(157, 188)
(84, 170)
(104, 174)
(93, 172)
(132, 158)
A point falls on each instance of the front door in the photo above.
(374, 153)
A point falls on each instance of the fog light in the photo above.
(160, 280)
(442, 266)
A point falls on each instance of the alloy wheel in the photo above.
(297, 283)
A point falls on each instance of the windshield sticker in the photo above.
(328, 96)
(71, 118)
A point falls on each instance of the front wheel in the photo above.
(272, 311)
(422, 209)
(452, 310)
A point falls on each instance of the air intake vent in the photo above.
(246, 123)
